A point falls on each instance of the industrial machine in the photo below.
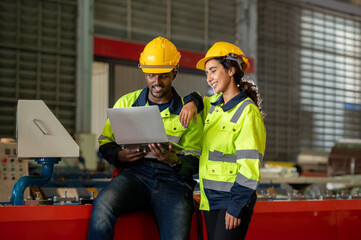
(59, 204)
(40, 136)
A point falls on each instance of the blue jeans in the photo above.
(170, 198)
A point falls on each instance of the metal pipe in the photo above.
(30, 181)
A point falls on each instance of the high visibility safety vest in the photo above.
(234, 139)
(189, 138)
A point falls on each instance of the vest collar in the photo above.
(233, 102)
(175, 105)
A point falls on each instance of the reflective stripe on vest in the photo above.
(239, 111)
(102, 137)
(242, 180)
(174, 139)
(197, 153)
(226, 186)
(217, 185)
(218, 156)
(249, 153)
(211, 109)
(240, 154)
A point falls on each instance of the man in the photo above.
(162, 179)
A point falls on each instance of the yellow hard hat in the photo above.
(225, 49)
(159, 56)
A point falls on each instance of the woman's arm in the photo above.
(189, 110)
(193, 104)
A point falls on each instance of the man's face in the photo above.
(160, 86)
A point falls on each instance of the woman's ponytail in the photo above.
(248, 84)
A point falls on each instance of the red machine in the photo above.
(327, 219)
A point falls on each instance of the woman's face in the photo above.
(217, 76)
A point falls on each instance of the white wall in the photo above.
(100, 97)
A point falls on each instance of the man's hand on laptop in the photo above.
(167, 156)
(131, 155)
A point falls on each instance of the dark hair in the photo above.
(247, 84)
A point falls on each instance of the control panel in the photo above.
(11, 170)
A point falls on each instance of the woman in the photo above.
(234, 140)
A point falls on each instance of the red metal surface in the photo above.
(334, 219)
(71, 222)
(119, 49)
(44, 222)
(293, 220)
(348, 219)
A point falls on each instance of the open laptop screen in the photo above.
(138, 125)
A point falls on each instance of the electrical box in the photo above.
(12, 169)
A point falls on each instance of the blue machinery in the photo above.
(30, 181)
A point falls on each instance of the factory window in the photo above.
(330, 50)
(37, 59)
(309, 68)
(191, 25)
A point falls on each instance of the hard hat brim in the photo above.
(201, 64)
(157, 70)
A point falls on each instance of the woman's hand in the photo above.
(189, 110)
(231, 222)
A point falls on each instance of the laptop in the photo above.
(135, 127)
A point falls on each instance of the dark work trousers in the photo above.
(216, 226)
(148, 184)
